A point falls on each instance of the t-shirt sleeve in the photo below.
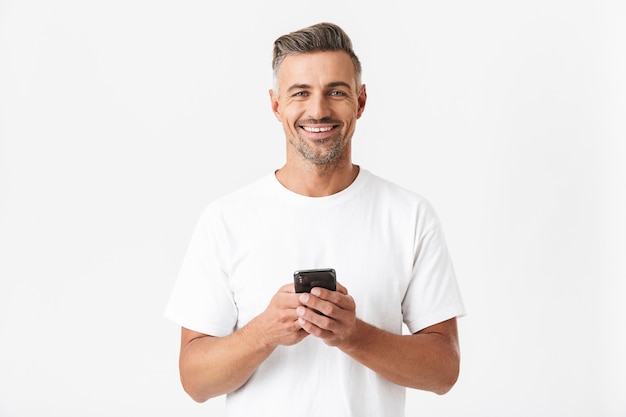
(201, 299)
(433, 294)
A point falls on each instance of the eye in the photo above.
(337, 93)
(300, 94)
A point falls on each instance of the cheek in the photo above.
(291, 116)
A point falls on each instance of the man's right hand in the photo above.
(278, 324)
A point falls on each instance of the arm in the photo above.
(427, 360)
(211, 366)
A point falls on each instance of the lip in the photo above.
(318, 130)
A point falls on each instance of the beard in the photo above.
(320, 152)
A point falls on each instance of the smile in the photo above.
(317, 129)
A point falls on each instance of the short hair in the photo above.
(321, 37)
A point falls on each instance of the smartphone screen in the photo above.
(306, 279)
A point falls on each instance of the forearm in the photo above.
(212, 366)
(427, 361)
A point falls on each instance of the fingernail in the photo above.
(300, 311)
(304, 298)
(316, 292)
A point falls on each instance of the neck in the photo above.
(317, 181)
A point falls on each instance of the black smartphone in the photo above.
(306, 279)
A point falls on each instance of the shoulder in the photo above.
(398, 199)
(238, 201)
(240, 196)
(379, 186)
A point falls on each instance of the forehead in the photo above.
(317, 68)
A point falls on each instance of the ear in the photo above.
(275, 106)
(362, 99)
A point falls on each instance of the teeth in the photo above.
(316, 129)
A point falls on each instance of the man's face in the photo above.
(318, 104)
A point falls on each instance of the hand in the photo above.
(329, 315)
(278, 324)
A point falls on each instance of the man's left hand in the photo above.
(329, 315)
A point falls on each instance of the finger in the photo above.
(286, 297)
(340, 289)
(288, 288)
(316, 325)
(341, 300)
(286, 300)
(317, 307)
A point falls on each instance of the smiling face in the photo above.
(318, 102)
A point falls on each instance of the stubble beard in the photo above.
(326, 154)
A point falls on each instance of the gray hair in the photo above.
(321, 37)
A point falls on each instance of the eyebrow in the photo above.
(329, 85)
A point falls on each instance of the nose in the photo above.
(318, 107)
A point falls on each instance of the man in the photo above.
(247, 334)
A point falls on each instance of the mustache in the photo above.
(324, 120)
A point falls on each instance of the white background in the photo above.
(121, 120)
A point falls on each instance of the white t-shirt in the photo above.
(388, 250)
